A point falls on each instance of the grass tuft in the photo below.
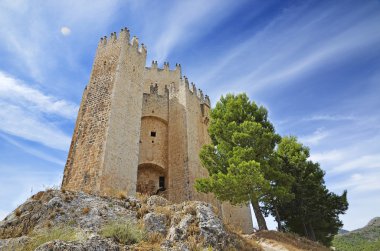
(57, 233)
(85, 210)
(124, 232)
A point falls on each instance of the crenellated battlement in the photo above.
(154, 89)
(166, 67)
(196, 92)
(122, 39)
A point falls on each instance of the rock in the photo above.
(179, 231)
(155, 222)
(94, 244)
(156, 200)
(13, 243)
(193, 225)
(54, 202)
(211, 227)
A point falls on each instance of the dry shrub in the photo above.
(142, 197)
(18, 212)
(194, 243)
(48, 224)
(193, 229)
(52, 216)
(85, 210)
(122, 195)
(143, 210)
(68, 198)
(216, 210)
(154, 238)
(190, 209)
(165, 211)
(241, 242)
(38, 195)
(63, 190)
(145, 246)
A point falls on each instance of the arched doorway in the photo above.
(151, 179)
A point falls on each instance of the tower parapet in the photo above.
(122, 40)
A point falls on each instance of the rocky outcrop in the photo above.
(186, 226)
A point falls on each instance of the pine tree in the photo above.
(314, 211)
(239, 158)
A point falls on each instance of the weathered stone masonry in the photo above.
(140, 129)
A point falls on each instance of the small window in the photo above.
(153, 134)
(161, 182)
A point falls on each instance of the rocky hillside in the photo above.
(366, 238)
(59, 220)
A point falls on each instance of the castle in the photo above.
(140, 129)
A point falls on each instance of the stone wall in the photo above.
(84, 164)
(139, 127)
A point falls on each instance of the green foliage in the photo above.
(124, 232)
(45, 235)
(240, 159)
(367, 239)
(355, 243)
(314, 211)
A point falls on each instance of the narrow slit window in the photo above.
(153, 134)
(161, 182)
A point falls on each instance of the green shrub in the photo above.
(57, 233)
(124, 232)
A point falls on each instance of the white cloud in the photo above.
(333, 155)
(359, 182)
(33, 151)
(289, 48)
(25, 113)
(185, 21)
(315, 138)
(329, 117)
(65, 31)
(359, 163)
(14, 91)
(22, 123)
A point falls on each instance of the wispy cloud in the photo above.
(186, 21)
(315, 138)
(294, 45)
(22, 123)
(33, 151)
(331, 156)
(329, 117)
(14, 91)
(363, 162)
(24, 112)
(359, 182)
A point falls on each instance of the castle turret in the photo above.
(140, 129)
(108, 124)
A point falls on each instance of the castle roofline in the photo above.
(124, 37)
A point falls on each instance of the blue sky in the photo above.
(315, 65)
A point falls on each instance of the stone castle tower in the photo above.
(140, 129)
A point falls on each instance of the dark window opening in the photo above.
(161, 182)
(152, 141)
(153, 134)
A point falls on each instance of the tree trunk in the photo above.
(259, 215)
(311, 231)
(279, 226)
(305, 230)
